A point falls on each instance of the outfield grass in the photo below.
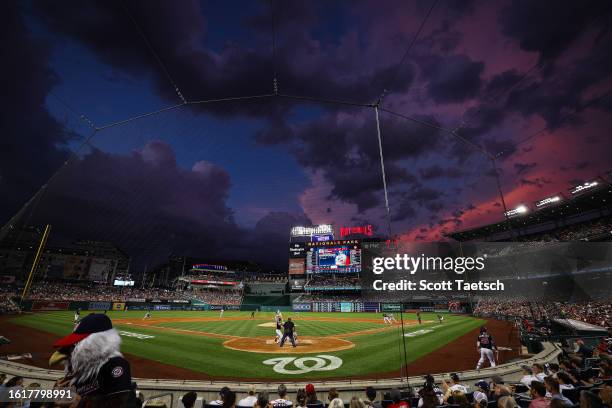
(373, 353)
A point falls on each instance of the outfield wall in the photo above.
(208, 390)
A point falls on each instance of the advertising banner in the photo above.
(136, 300)
(161, 307)
(346, 307)
(119, 306)
(99, 306)
(297, 266)
(302, 307)
(391, 307)
(224, 307)
(44, 305)
(371, 307)
(297, 250)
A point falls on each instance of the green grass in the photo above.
(373, 353)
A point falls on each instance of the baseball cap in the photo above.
(92, 323)
(482, 384)
(310, 389)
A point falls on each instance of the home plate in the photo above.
(305, 341)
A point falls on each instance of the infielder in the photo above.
(389, 318)
(221, 313)
(147, 316)
(77, 316)
(485, 345)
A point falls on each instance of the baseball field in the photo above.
(236, 346)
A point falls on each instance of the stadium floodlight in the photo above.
(547, 201)
(520, 210)
(585, 186)
(301, 231)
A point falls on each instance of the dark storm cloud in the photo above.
(523, 167)
(435, 171)
(538, 182)
(177, 35)
(145, 194)
(151, 207)
(549, 27)
(345, 150)
(452, 79)
(32, 141)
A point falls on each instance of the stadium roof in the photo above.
(599, 197)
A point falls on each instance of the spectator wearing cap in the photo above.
(538, 395)
(311, 395)
(552, 386)
(528, 376)
(189, 399)
(281, 401)
(482, 391)
(371, 398)
(250, 399)
(396, 397)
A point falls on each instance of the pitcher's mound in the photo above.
(306, 344)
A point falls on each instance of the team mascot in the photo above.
(93, 365)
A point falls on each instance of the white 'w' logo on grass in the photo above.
(318, 363)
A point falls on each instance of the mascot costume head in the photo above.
(93, 364)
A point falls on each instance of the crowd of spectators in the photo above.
(215, 297)
(104, 293)
(332, 281)
(574, 381)
(255, 278)
(596, 313)
(328, 297)
(599, 229)
(101, 293)
(7, 304)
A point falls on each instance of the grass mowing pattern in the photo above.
(372, 354)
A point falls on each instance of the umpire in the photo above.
(288, 332)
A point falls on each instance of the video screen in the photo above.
(121, 282)
(337, 259)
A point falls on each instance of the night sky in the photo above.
(525, 80)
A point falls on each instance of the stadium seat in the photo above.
(386, 403)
